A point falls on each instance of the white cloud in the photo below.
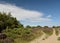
(24, 14)
(49, 16)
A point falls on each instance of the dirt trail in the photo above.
(50, 39)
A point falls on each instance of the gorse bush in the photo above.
(10, 33)
(24, 34)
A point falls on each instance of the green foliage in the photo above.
(24, 34)
(54, 27)
(56, 31)
(10, 33)
(39, 26)
(6, 20)
(1, 41)
(46, 27)
(58, 38)
(48, 31)
(7, 40)
(28, 26)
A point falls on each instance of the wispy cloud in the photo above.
(24, 14)
(49, 16)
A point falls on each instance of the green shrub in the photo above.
(6, 20)
(1, 41)
(58, 38)
(11, 33)
(24, 34)
(56, 31)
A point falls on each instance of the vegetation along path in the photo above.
(50, 39)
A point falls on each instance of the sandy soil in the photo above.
(50, 39)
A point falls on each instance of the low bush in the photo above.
(25, 34)
(48, 31)
(58, 38)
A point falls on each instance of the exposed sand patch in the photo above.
(50, 39)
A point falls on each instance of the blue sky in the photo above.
(50, 10)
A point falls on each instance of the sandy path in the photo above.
(50, 39)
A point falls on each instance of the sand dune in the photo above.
(50, 39)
